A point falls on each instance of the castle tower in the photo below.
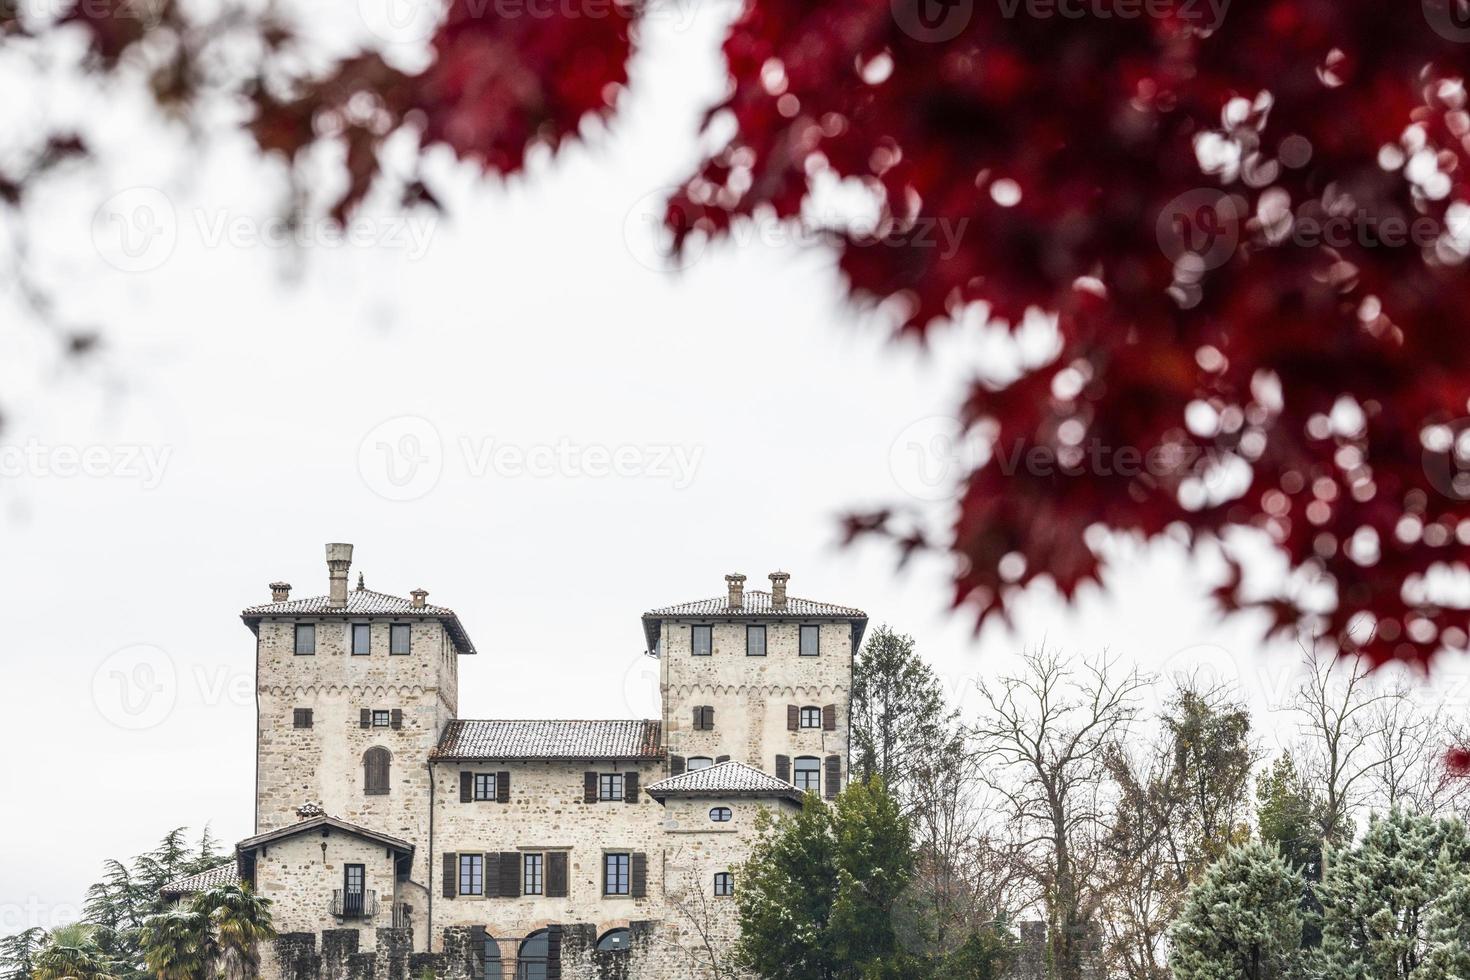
(758, 677)
(353, 690)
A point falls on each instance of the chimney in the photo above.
(735, 582)
(419, 595)
(280, 591)
(778, 589)
(339, 562)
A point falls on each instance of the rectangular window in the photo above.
(701, 639)
(808, 774)
(755, 641)
(810, 640)
(472, 874)
(362, 635)
(382, 719)
(399, 639)
(724, 884)
(301, 718)
(485, 786)
(610, 786)
(615, 874)
(531, 878)
(305, 639)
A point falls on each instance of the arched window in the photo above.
(376, 763)
(615, 941)
(721, 814)
(493, 970)
(531, 961)
(811, 717)
(699, 762)
(808, 773)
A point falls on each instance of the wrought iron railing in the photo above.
(401, 915)
(354, 905)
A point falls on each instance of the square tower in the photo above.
(762, 678)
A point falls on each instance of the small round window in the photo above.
(720, 814)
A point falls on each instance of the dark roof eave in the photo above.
(462, 643)
(546, 758)
(794, 795)
(281, 833)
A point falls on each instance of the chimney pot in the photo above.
(735, 583)
(419, 595)
(280, 591)
(339, 563)
(778, 589)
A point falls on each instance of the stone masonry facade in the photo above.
(396, 839)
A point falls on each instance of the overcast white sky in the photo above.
(256, 401)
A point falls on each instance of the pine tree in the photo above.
(1448, 957)
(1241, 921)
(1380, 896)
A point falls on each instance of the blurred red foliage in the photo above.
(1248, 220)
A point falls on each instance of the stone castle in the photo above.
(396, 838)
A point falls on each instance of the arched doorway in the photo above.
(531, 959)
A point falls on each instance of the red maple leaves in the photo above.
(1248, 219)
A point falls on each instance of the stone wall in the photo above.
(750, 695)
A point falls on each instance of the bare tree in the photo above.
(706, 929)
(1341, 719)
(1045, 738)
(1412, 743)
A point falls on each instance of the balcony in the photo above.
(354, 905)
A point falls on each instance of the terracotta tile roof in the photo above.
(505, 739)
(362, 602)
(224, 874)
(757, 604)
(725, 779)
(754, 605)
(311, 823)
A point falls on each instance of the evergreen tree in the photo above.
(1285, 816)
(71, 953)
(1380, 897)
(1448, 956)
(899, 712)
(1241, 921)
(817, 896)
(18, 953)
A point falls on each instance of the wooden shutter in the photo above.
(365, 719)
(451, 875)
(721, 760)
(698, 718)
(630, 787)
(492, 875)
(397, 718)
(510, 874)
(834, 776)
(477, 949)
(556, 874)
(502, 787)
(709, 717)
(375, 769)
(638, 875)
(829, 718)
(793, 717)
(553, 953)
(466, 787)
(589, 787)
(676, 765)
(783, 768)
